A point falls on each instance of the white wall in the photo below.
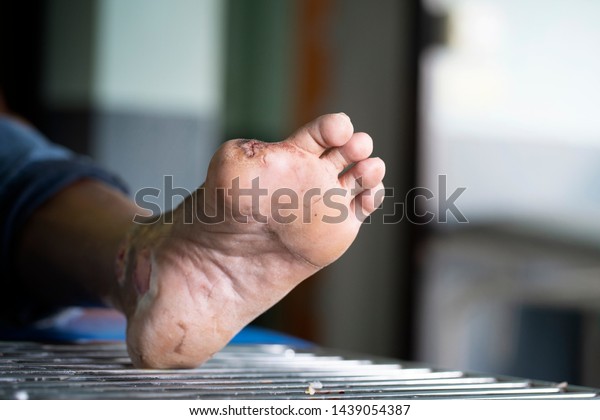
(160, 56)
(150, 73)
(511, 113)
(158, 88)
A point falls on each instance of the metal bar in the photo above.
(103, 371)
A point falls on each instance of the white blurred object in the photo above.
(510, 111)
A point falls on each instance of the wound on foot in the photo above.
(142, 272)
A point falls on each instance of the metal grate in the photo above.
(104, 371)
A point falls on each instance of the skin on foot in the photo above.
(268, 216)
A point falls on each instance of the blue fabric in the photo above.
(32, 170)
(103, 324)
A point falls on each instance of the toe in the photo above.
(366, 174)
(331, 130)
(359, 147)
(368, 201)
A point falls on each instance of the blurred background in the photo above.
(499, 96)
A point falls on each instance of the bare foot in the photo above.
(242, 241)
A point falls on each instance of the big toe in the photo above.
(331, 130)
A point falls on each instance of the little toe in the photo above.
(366, 174)
(359, 147)
(368, 201)
(331, 130)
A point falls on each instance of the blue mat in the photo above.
(77, 325)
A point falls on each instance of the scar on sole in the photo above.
(180, 344)
(142, 272)
(251, 147)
